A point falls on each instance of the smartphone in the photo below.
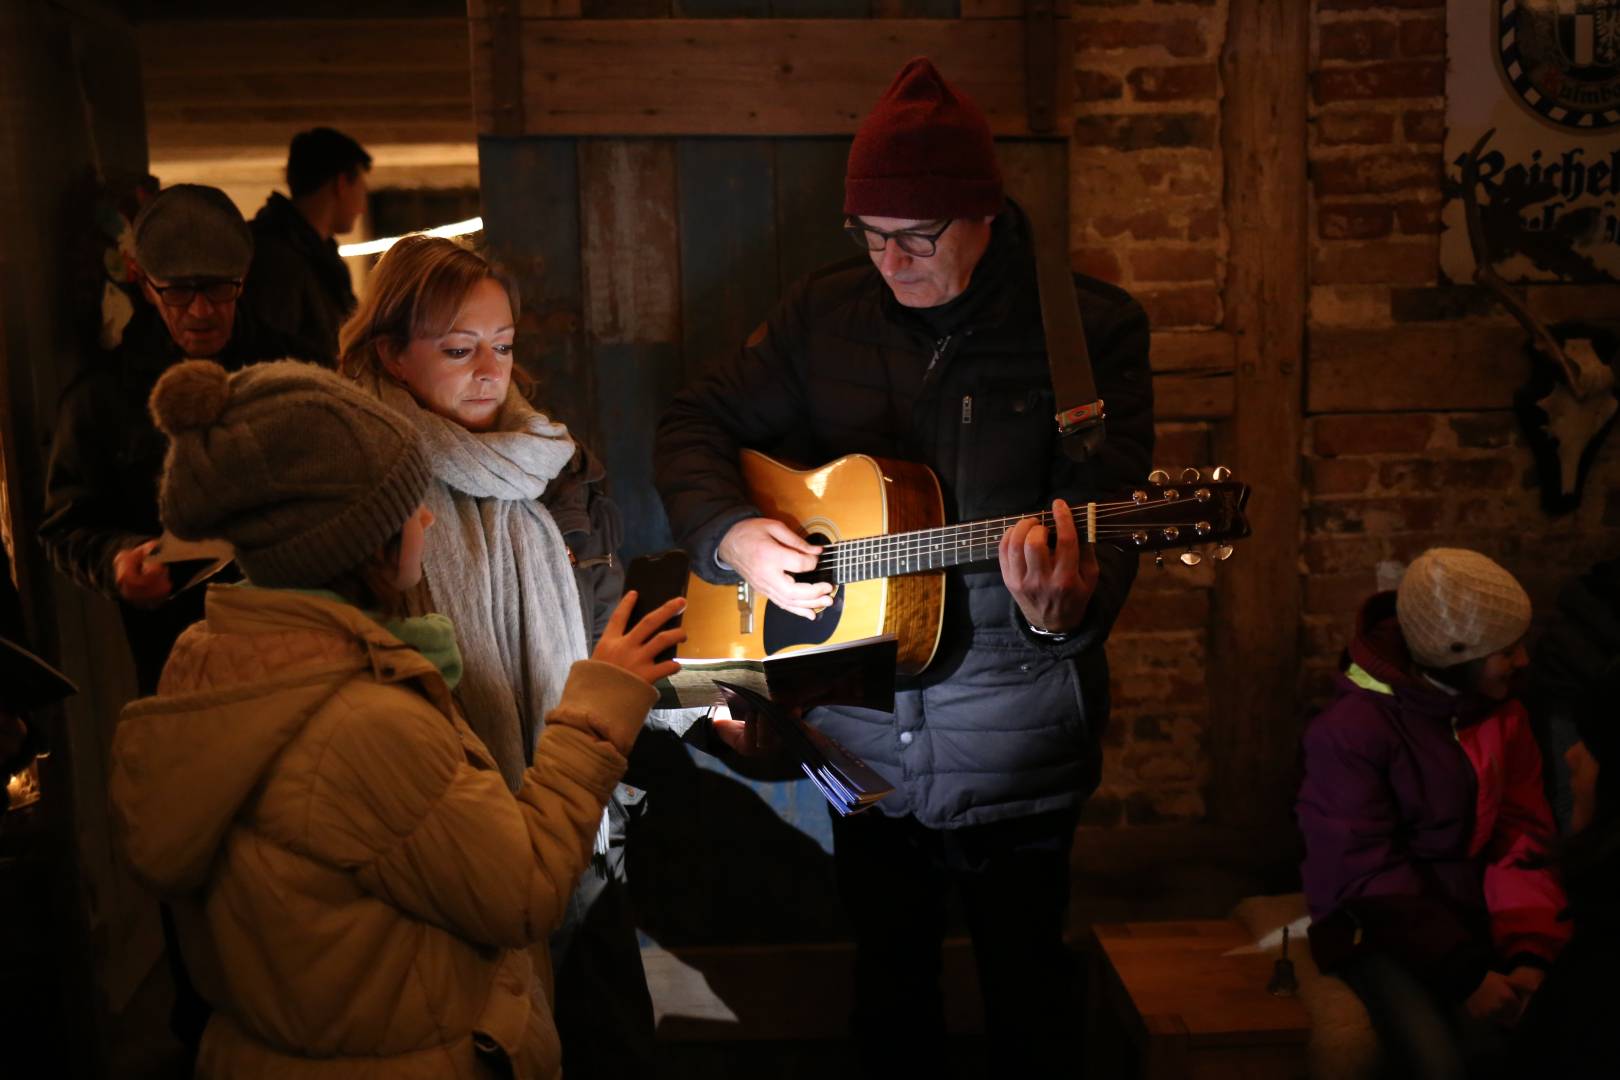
(657, 579)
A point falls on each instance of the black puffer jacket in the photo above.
(106, 460)
(298, 283)
(1003, 723)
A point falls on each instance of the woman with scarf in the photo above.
(522, 562)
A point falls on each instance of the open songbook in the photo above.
(191, 562)
(859, 673)
(849, 784)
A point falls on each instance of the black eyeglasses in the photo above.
(181, 295)
(914, 242)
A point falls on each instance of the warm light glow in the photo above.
(23, 789)
(377, 247)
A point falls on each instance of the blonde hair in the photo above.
(415, 291)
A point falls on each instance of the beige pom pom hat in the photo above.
(1456, 605)
(305, 475)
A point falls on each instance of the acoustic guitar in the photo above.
(885, 547)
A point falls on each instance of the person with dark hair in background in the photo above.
(1425, 823)
(298, 282)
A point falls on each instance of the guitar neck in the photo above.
(896, 554)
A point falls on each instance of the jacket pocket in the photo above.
(1005, 448)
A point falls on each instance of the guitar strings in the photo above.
(861, 557)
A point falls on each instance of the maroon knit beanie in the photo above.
(924, 152)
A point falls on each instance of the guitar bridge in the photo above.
(745, 608)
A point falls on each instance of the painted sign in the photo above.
(1543, 76)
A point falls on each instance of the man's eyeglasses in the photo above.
(181, 295)
(914, 242)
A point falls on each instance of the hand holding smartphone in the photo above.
(657, 579)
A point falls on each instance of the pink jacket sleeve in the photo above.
(1524, 898)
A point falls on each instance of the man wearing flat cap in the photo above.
(101, 522)
(928, 346)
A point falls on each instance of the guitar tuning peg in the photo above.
(1191, 558)
(1220, 473)
(1223, 552)
(1158, 476)
(1158, 560)
(1191, 476)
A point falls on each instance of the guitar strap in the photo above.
(1080, 413)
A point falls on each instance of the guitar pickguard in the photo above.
(783, 629)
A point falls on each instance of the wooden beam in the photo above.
(1254, 654)
(1193, 396)
(750, 76)
(216, 86)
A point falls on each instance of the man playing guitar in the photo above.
(929, 348)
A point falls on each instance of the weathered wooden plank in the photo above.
(1036, 173)
(728, 244)
(297, 47)
(530, 193)
(631, 265)
(643, 379)
(1469, 367)
(809, 206)
(1255, 656)
(749, 76)
(1185, 396)
(1198, 350)
(631, 248)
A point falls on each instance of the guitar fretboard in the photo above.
(897, 554)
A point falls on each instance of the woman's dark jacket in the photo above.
(1003, 723)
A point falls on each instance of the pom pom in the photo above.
(189, 396)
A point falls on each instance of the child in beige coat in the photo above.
(356, 887)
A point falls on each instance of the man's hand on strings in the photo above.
(766, 553)
(1053, 586)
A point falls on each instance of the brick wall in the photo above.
(1146, 214)
(1409, 441)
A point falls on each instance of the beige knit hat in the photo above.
(1456, 605)
(305, 475)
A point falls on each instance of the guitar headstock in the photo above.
(1197, 509)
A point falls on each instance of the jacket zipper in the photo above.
(939, 352)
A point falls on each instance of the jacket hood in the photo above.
(1378, 661)
(1378, 647)
(239, 687)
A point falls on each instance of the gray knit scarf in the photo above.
(496, 564)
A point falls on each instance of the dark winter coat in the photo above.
(106, 460)
(298, 283)
(1003, 723)
(1423, 816)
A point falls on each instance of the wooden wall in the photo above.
(70, 111)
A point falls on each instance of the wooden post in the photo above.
(1254, 651)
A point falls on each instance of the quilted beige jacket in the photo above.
(356, 888)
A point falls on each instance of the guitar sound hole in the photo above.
(784, 629)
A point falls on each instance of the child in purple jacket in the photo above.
(1423, 810)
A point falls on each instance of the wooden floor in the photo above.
(1120, 876)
